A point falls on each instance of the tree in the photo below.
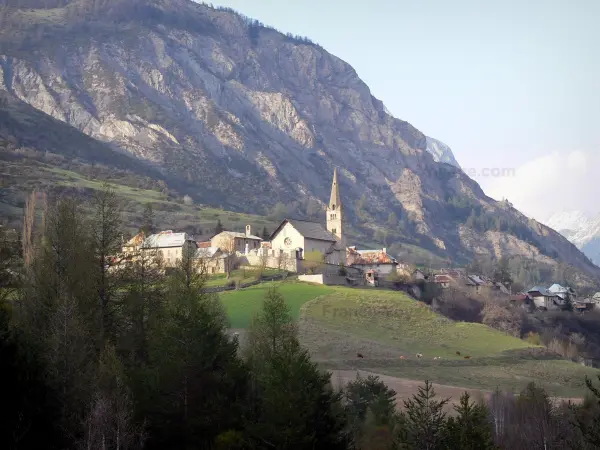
(360, 208)
(218, 227)
(106, 243)
(502, 272)
(380, 236)
(265, 234)
(227, 246)
(470, 429)
(29, 410)
(292, 404)
(588, 418)
(199, 379)
(109, 422)
(58, 309)
(424, 419)
(279, 211)
(148, 220)
(392, 220)
(370, 410)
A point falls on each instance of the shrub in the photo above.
(534, 338)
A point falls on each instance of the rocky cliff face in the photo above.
(248, 116)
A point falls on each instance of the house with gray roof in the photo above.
(166, 245)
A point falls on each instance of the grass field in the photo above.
(392, 318)
(243, 304)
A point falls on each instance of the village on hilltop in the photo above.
(319, 254)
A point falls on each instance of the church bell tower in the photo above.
(335, 210)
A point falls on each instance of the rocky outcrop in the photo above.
(246, 115)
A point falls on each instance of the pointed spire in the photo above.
(335, 200)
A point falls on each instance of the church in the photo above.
(298, 237)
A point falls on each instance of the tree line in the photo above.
(100, 351)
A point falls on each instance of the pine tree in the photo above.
(219, 227)
(424, 420)
(292, 404)
(265, 234)
(200, 380)
(148, 220)
(470, 429)
(370, 408)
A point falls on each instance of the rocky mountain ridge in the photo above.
(243, 117)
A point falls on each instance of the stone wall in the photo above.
(326, 279)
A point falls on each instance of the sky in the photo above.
(512, 86)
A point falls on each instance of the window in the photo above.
(334, 231)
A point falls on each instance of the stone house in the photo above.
(444, 280)
(378, 261)
(213, 260)
(235, 242)
(544, 299)
(167, 245)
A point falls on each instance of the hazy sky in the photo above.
(505, 83)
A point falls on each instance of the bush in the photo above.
(534, 338)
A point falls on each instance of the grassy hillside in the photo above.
(336, 323)
(242, 305)
(21, 176)
(393, 318)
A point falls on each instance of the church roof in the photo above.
(310, 230)
(335, 200)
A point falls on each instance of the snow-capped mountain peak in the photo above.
(572, 221)
(580, 229)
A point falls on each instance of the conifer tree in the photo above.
(148, 227)
(470, 429)
(292, 404)
(424, 420)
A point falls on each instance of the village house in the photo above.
(167, 245)
(213, 260)
(444, 280)
(545, 299)
(378, 261)
(565, 293)
(235, 242)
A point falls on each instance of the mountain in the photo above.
(580, 229)
(441, 152)
(240, 116)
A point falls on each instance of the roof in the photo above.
(236, 234)
(596, 296)
(311, 230)
(166, 239)
(207, 252)
(455, 273)
(335, 200)
(203, 244)
(137, 240)
(558, 289)
(367, 257)
(444, 278)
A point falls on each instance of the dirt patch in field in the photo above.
(407, 388)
